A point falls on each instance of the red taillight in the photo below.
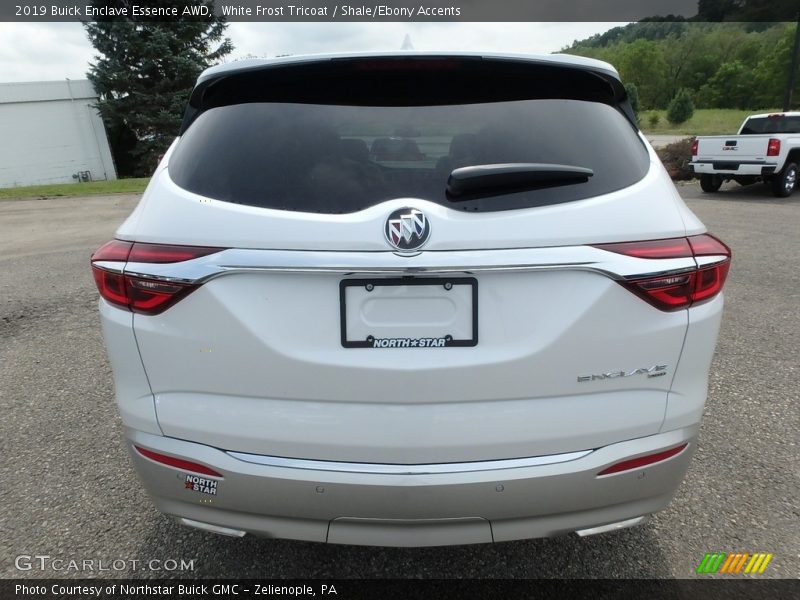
(773, 147)
(669, 248)
(111, 286)
(678, 289)
(709, 281)
(642, 461)
(672, 292)
(178, 463)
(160, 253)
(151, 297)
(136, 293)
(115, 250)
(707, 245)
(695, 143)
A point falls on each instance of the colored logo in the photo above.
(407, 229)
(736, 562)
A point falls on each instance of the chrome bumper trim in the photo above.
(212, 528)
(392, 469)
(565, 258)
(612, 526)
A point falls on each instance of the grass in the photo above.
(91, 188)
(705, 121)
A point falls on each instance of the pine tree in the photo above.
(143, 73)
(681, 107)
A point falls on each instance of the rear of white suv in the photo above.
(411, 300)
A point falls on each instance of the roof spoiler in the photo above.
(338, 80)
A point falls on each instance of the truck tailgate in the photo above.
(732, 148)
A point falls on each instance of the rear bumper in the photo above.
(733, 168)
(326, 504)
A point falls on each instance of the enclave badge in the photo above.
(407, 229)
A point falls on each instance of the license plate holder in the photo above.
(418, 297)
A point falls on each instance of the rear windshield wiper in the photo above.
(481, 180)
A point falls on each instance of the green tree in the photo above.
(732, 86)
(642, 63)
(143, 73)
(773, 72)
(723, 64)
(681, 108)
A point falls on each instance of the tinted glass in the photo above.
(764, 125)
(332, 158)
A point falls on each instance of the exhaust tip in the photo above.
(212, 528)
(612, 526)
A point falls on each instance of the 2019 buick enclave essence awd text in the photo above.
(411, 299)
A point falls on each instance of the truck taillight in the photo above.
(695, 143)
(773, 147)
(678, 289)
(136, 293)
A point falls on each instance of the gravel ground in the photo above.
(68, 490)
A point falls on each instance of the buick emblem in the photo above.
(407, 229)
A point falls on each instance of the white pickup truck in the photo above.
(766, 148)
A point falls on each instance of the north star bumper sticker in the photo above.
(201, 484)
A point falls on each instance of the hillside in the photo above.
(723, 65)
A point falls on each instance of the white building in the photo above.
(51, 133)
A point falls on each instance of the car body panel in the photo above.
(416, 510)
(269, 352)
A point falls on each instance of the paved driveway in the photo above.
(68, 490)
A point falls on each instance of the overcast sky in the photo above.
(47, 51)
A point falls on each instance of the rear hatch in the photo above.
(322, 331)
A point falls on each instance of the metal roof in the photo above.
(782, 113)
(44, 91)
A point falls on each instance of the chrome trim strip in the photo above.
(612, 526)
(146, 274)
(660, 273)
(212, 528)
(705, 261)
(109, 265)
(582, 258)
(391, 469)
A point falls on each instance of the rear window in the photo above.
(765, 125)
(338, 158)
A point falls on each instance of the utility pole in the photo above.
(787, 101)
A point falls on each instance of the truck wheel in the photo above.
(710, 183)
(784, 182)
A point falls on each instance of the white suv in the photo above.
(411, 300)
